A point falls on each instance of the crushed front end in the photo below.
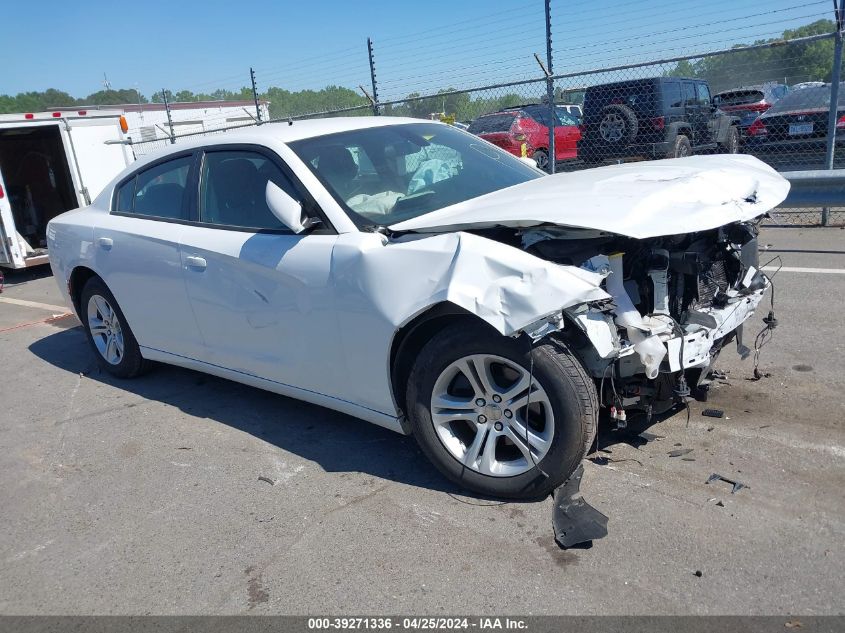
(677, 301)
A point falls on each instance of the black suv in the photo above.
(663, 117)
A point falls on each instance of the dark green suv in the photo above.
(663, 117)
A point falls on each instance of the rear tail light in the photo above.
(1, 192)
(658, 122)
(57, 115)
(757, 128)
(840, 123)
(29, 115)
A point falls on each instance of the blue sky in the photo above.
(420, 46)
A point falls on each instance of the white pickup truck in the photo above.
(51, 162)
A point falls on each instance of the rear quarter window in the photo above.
(124, 196)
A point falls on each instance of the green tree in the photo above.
(792, 63)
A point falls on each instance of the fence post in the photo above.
(834, 85)
(169, 120)
(550, 87)
(373, 76)
(255, 95)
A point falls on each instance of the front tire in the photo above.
(731, 143)
(108, 333)
(469, 408)
(680, 148)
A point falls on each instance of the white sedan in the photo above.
(412, 275)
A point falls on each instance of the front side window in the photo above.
(689, 93)
(703, 94)
(233, 190)
(417, 168)
(157, 192)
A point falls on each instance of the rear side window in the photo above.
(492, 123)
(672, 94)
(233, 190)
(158, 192)
(540, 114)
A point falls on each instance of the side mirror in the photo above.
(287, 210)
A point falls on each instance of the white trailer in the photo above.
(51, 162)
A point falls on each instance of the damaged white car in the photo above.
(415, 276)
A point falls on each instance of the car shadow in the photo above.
(636, 434)
(337, 442)
(23, 275)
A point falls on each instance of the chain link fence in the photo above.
(776, 100)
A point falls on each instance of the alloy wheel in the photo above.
(491, 415)
(105, 329)
(612, 127)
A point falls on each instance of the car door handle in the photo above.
(197, 263)
(105, 243)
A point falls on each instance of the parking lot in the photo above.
(182, 493)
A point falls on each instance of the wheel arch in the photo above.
(409, 339)
(676, 128)
(79, 276)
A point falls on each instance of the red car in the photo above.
(523, 131)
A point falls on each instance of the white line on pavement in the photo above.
(793, 269)
(35, 304)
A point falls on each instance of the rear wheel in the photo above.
(541, 158)
(109, 334)
(493, 423)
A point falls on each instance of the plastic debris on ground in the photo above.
(576, 522)
(737, 486)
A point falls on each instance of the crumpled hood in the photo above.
(639, 200)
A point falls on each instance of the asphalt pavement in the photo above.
(180, 493)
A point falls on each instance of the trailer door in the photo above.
(7, 225)
(97, 162)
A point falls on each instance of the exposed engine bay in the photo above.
(676, 302)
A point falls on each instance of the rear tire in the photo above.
(108, 333)
(680, 148)
(541, 158)
(561, 422)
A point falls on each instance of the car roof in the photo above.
(642, 82)
(281, 132)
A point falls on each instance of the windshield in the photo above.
(385, 175)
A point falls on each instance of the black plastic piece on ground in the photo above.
(717, 477)
(575, 521)
(713, 413)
